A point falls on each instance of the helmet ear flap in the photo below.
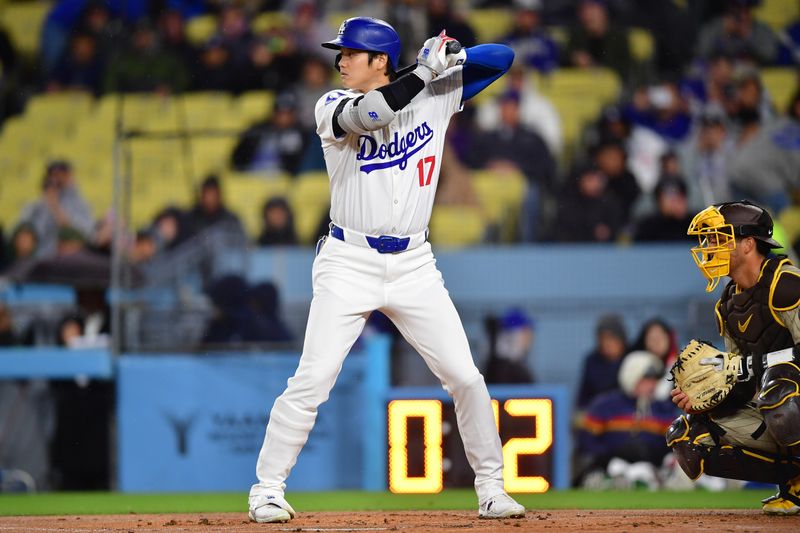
(336, 61)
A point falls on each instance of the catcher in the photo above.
(743, 404)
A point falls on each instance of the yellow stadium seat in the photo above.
(597, 83)
(245, 195)
(560, 35)
(501, 196)
(781, 84)
(203, 110)
(200, 29)
(452, 226)
(24, 20)
(641, 43)
(211, 154)
(255, 106)
(309, 198)
(490, 24)
(777, 13)
(271, 20)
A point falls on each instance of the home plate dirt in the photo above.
(619, 521)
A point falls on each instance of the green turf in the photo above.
(116, 503)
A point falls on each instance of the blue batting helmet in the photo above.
(370, 34)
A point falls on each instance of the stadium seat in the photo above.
(776, 13)
(23, 21)
(456, 226)
(309, 198)
(200, 29)
(271, 20)
(781, 84)
(598, 83)
(500, 196)
(490, 25)
(641, 43)
(203, 110)
(246, 194)
(211, 154)
(254, 106)
(71, 105)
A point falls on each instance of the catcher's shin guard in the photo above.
(686, 436)
(779, 403)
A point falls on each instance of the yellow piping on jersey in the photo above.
(720, 323)
(794, 305)
(700, 436)
(783, 400)
(772, 290)
(757, 456)
(702, 470)
(683, 437)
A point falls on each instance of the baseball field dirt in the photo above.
(620, 521)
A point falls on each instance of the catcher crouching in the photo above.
(743, 404)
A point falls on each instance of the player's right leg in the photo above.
(344, 290)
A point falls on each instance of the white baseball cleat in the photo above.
(500, 506)
(269, 509)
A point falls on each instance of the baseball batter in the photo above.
(383, 136)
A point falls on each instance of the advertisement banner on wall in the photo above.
(196, 423)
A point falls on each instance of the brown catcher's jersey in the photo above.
(763, 318)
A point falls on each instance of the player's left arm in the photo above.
(484, 64)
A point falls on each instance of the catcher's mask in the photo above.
(717, 227)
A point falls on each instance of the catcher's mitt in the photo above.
(705, 374)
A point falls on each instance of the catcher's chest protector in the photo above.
(748, 318)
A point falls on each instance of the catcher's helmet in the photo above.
(718, 226)
(370, 34)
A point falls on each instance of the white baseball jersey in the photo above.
(383, 182)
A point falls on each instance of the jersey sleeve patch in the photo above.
(786, 295)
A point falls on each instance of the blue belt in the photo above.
(385, 244)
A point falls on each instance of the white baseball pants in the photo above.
(349, 282)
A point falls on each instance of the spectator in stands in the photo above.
(143, 248)
(307, 27)
(61, 205)
(622, 431)
(455, 182)
(278, 224)
(215, 69)
(264, 301)
(672, 218)
(7, 336)
(69, 330)
(610, 158)
(170, 228)
(750, 104)
(662, 109)
(172, 29)
(22, 246)
(145, 67)
(789, 51)
(515, 146)
(587, 210)
(765, 166)
(601, 365)
(532, 45)
(738, 33)
(209, 209)
(108, 31)
(595, 41)
(660, 339)
(81, 69)
(705, 158)
(314, 81)
(713, 84)
(536, 112)
(442, 16)
(274, 62)
(510, 343)
(274, 145)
